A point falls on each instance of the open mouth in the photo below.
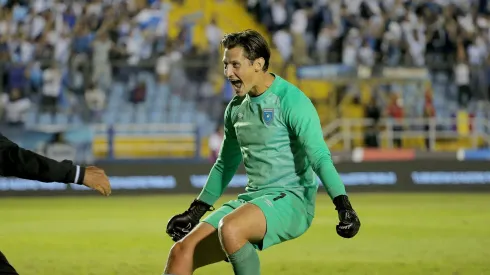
(236, 83)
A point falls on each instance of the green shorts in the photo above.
(284, 212)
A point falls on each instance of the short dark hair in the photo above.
(253, 43)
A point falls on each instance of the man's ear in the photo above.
(259, 64)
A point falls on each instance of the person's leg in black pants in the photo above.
(5, 267)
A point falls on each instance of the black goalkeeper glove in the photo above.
(349, 222)
(180, 225)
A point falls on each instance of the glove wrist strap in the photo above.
(199, 208)
(342, 203)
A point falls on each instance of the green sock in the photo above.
(245, 261)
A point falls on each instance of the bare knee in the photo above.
(246, 224)
(181, 257)
(230, 234)
(182, 250)
(227, 228)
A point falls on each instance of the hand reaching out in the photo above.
(95, 178)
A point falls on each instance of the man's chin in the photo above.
(240, 92)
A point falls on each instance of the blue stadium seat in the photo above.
(156, 117)
(109, 118)
(30, 118)
(141, 118)
(61, 118)
(77, 120)
(45, 119)
(187, 117)
(125, 118)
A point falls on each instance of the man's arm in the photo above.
(302, 118)
(225, 167)
(25, 164)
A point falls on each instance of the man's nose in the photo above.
(229, 72)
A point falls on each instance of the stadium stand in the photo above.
(449, 39)
(146, 75)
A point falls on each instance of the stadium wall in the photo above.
(137, 177)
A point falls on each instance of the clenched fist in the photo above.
(349, 222)
(95, 178)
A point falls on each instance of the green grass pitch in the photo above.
(401, 234)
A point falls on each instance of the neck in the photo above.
(264, 82)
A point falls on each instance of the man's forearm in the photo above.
(323, 166)
(218, 180)
(331, 180)
(22, 163)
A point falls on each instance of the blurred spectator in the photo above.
(366, 54)
(429, 113)
(16, 107)
(325, 40)
(95, 99)
(299, 24)
(196, 72)
(17, 76)
(58, 148)
(284, 44)
(35, 76)
(102, 70)
(166, 64)
(51, 90)
(214, 143)
(162, 66)
(4, 47)
(62, 48)
(399, 32)
(109, 43)
(214, 35)
(462, 80)
(395, 112)
(138, 93)
(373, 113)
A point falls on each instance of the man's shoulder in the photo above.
(287, 92)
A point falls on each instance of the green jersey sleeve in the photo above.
(226, 165)
(301, 117)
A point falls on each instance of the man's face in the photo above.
(239, 70)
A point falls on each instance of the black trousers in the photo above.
(5, 267)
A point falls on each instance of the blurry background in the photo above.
(143, 79)
(136, 87)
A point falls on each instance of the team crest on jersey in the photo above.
(268, 116)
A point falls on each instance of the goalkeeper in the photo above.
(274, 128)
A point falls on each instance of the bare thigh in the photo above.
(245, 224)
(199, 248)
(208, 250)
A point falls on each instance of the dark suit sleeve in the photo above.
(25, 164)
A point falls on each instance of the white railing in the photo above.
(344, 131)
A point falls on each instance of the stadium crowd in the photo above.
(450, 38)
(452, 35)
(63, 55)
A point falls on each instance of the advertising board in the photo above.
(405, 176)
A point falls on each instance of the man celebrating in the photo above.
(274, 128)
(21, 163)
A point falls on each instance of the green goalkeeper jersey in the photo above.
(280, 140)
